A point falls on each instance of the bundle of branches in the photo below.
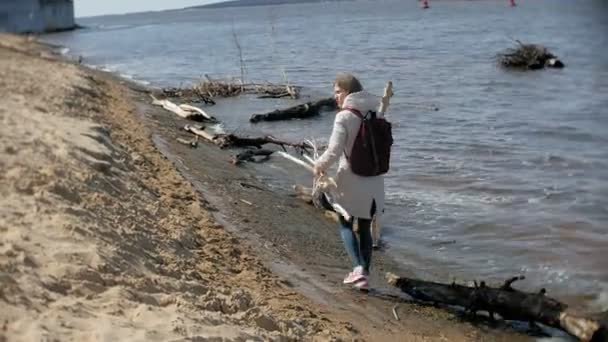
(220, 88)
(235, 87)
(528, 56)
(186, 94)
(509, 303)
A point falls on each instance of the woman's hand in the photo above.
(317, 171)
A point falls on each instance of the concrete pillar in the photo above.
(36, 16)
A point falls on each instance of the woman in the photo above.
(360, 196)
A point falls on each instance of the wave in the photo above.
(563, 133)
(103, 27)
(438, 198)
(115, 69)
(558, 162)
(63, 51)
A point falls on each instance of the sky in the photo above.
(87, 8)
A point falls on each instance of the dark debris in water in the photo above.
(528, 57)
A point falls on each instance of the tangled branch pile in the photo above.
(221, 88)
(207, 89)
(528, 56)
(185, 94)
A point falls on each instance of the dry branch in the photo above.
(302, 111)
(386, 98)
(508, 302)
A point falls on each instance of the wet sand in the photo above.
(302, 245)
(112, 230)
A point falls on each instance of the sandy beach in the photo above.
(106, 235)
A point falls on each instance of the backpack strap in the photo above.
(355, 111)
(370, 114)
(359, 115)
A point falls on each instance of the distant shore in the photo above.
(102, 238)
(248, 3)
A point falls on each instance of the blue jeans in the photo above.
(359, 250)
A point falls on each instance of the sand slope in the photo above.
(101, 239)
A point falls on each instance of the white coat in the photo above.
(354, 193)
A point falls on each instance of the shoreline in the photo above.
(263, 267)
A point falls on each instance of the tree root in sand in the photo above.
(509, 303)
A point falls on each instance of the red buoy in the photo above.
(513, 4)
(425, 4)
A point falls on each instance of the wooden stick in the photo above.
(328, 181)
(386, 98)
(295, 160)
(395, 311)
(308, 159)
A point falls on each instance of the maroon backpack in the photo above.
(371, 151)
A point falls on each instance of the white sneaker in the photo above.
(362, 284)
(354, 276)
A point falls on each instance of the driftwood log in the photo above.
(509, 303)
(302, 111)
(184, 110)
(231, 140)
(224, 140)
